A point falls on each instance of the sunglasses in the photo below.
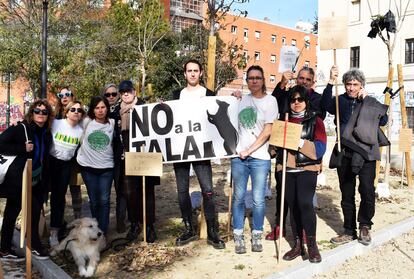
(126, 92)
(40, 111)
(299, 99)
(80, 110)
(66, 94)
(109, 94)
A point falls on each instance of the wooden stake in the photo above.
(387, 102)
(338, 127)
(202, 225)
(144, 208)
(282, 198)
(211, 62)
(404, 124)
(229, 207)
(28, 174)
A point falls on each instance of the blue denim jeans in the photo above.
(258, 170)
(99, 192)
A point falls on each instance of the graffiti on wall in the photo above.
(15, 115)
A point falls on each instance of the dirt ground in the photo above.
(210, 263)
(164, 260)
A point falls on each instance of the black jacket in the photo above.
(121, 143)
(347, 106)
(13, 142)
(282, 97)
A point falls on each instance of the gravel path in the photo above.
(392, 260)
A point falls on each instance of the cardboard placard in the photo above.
(293, 134)
(405, 139)
(333, 32)
(143, 164)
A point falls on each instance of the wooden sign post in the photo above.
(27, 215)
(291, 137)
(229, 210)
(404, 125)
(329, 28)
(143, 164)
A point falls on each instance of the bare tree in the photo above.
(388, 33)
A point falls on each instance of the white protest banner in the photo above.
(288, 55)
(186, 130)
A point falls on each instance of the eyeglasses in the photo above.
(109, 94)
(80, 110)
(125, 92)
(254, 78)
(40, 111)
(66, 94)
(307, 79)
(299, 99)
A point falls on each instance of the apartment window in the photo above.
(273, 38)
(409, 51)
(307, 64)
(244, 77)
(293, 43)
(354, 63)
(283, 40)
(234, 29)
(245, 54)
(256, 55)
(272, 58)
(355, 11)
(272, 78)
(257, 35)
(246, 34)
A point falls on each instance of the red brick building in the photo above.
(262, 42)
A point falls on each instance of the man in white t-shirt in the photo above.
(193, 72)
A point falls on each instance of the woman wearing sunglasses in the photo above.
(110, 92)
(96, 158)
(65, 96)
(303, 166)
(29, 139)
(66, 134)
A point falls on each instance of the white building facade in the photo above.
(370, 55)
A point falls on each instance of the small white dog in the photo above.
(85, 241)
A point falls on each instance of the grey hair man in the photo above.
(360, 117)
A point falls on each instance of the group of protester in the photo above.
(69, 140)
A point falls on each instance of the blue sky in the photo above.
(283, 12)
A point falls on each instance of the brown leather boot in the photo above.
(296, 251)
(313, 251)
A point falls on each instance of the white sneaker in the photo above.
(53, 239)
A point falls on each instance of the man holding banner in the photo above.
(360, 117)
(194, 91)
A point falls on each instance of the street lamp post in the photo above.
(44, 50)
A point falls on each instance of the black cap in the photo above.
(126, 85)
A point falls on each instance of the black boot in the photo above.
(188, 235)
(134, 231)
(151, 235)
(296, 251)
(313, 251)
(213, 237)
